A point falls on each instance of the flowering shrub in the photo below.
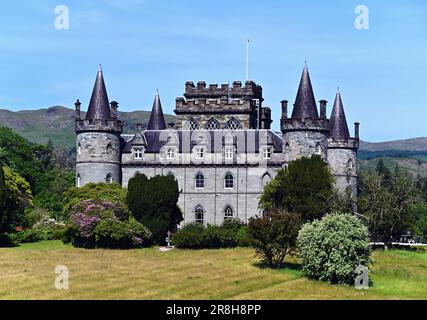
(104, 224)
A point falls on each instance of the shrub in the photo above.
(332, 249)
(231, 234)
(274, 236)
(104, 224)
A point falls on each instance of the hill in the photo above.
(57, 124)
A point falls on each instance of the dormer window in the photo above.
(229, 154)
(267, 153)
(170, 154)
(138, 153)
(200, 154)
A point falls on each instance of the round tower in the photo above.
(99, 144)
(342, 149)
(306, 133)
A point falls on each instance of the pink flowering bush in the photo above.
(104, 224)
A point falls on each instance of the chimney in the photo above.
(78, 109)
(285, 109)
(357, 130)
(114, 107)
(323, 105)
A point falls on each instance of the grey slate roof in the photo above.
(157, 119)
(246, 141)
(338, 122)
(305, 103)
(99, 106)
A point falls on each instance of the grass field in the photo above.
(27, 272)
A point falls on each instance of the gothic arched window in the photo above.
(79, 181)
(200, 181)
(233, 124)
(212, 124)
(192, 125)
(199, 215)
(109, 149)
(79, 149)
(229, 181)
(228, 213)
(266, 179)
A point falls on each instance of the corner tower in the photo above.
(98, 143)
(306, 132)
(342, 149)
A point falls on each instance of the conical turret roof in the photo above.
(157, 118)
(99, 106)
(305, 103)
(338, 122)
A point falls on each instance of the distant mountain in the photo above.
(57, 123)
(413, 145)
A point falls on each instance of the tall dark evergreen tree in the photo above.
(154, 202)
(384, 172)
(304, 187)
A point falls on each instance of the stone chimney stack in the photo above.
(78, 109)
(285, 109)
(357, 130)
(323, 106)
(114, 107)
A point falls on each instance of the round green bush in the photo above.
(331, 249)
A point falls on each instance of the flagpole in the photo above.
(247, 59)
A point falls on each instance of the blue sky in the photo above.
(148, 44)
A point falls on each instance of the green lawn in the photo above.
(27, 272)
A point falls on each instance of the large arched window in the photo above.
(199, 215)
(212, 124)
(193, 125)
(109, 149)
(233, 124)
(229, 181)
(228, 213)
(200, 181)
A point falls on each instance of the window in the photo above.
(79, 181)
(193, 125)
(229, 181)
(266, 179)
(287, 147)
(200, 181)
(233, 124)
(199, 215)
(200, 154)
(171, 174)
(109, 179)
(318, 149)
(79, 149)
(138, 153)
(228, 213)
(212, 124)
(109, 149)
(267, 153)
(170, 154)
(229, 154)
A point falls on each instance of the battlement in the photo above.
(351, 143)
(289, 124)
(249, 91)
(115, 126)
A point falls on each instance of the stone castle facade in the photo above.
(221, 149)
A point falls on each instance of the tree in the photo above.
(387, 209)
(419, 221)
(274, 235)
(154, 203)
(331, 249)
(100, 191)
(3, 198)
(384, 172)
(304, 187)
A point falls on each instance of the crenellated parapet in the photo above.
(350, 143)
(113, 126)
(309, 124)
(237, 90)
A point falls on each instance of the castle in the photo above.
(221, 149)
